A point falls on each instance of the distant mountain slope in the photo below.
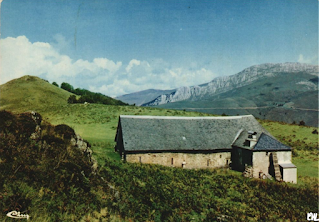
(282, 92)
(226, 83)
(141, 97)
(284, 107)
(30, 91)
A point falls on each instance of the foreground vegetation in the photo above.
(56, 183)
(42, 173)
(150, 192)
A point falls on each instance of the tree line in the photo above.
(87, 96)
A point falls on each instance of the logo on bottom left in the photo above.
(17, 215)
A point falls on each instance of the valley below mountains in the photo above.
(285, 92)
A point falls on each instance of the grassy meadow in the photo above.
(141, 192)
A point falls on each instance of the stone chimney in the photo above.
(252, 138)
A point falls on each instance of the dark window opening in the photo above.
(208, 162)
(171, 161)
(139, 159)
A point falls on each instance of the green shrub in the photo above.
(72, 99)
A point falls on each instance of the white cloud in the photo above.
(310, 60)
(118, 87)
(132, 63)
(107, 64)
(21, 57)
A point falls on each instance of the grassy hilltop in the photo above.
(29, 92)
(157, 193)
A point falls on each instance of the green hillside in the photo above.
(31, 93)
(151, 192)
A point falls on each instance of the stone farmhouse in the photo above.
(236, 142)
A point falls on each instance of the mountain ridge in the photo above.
(141, 97)
(226, 83)
(285, 92)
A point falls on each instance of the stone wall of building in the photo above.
(261, 161)
(289, 175)
(185, 160)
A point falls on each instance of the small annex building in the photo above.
(239, 142)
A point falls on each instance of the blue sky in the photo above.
(118, 47)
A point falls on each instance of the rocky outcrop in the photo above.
(84, 146)
(36, 117)
(67, 133)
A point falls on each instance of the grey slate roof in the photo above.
(267, 143)
(264, 142)
(163, 133)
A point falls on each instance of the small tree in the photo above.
(55, 84)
